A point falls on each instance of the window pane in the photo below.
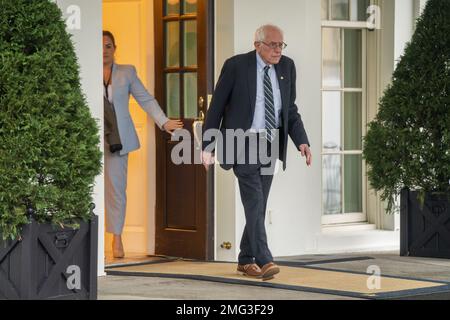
(190, 43)
(331, 121)
(339, 10)
(172, 7)
(353, 58)
(353, 121)
(332, 203)
(358, 10)
(173, 95)
(353, 184)
(331, 47)
(363, 5)
(190, 96)
(190, 6)
(325, 9)
(172, 44)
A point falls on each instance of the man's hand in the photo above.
(207, 159)
(305, 151)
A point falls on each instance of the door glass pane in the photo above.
(331, 47)
(172, 44)
(331, 121)
(353, 183)
(332, 203)
(353, 58)
(173, 95)
(172, 7)
(190, 6)
(353, 121)
(325, 9)
(339, 10)
(190, 43)
(190, 95)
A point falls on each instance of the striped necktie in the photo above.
(270, 107)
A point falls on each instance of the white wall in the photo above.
(88, 47)
(404, 25)
(295, 199)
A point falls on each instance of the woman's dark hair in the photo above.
(110, 35)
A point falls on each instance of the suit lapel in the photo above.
(252, 80)
(114, 80)
(282, 81)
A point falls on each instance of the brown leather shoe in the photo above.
(250, 270)
(269, 270)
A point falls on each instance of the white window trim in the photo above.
(345, 24)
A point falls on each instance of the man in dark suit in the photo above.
(255, 94)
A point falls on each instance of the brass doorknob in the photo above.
(226, 245)
(201, 101)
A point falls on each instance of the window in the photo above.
(345, 10)
(181, 69)
(343, 111)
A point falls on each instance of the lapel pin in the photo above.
(282, 78)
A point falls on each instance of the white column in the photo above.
(404, 26)
(84, 22)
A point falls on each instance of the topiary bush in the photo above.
(49, 142)
(408, 144)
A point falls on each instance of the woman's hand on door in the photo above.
(172, 125)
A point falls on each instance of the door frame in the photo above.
(206, 42)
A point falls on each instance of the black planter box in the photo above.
(424, 233)
(50, 263)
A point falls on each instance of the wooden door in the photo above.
(183, 63)
(130, 22)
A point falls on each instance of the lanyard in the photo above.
(106, 84)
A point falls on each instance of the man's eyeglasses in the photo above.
(275, 45)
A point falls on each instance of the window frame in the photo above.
(345, 23)
(182, 69)
(351, 217)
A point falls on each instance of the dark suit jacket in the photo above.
(234, 100)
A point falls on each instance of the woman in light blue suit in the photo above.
(119, 82)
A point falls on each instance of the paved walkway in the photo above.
(146, 288)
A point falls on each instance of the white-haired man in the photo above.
(256, 93)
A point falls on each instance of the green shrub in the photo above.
(49, 154)
(408, 144)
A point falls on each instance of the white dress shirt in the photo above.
(259, 120)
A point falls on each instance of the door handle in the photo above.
(201, 116)
(226, 245)
(201, 102)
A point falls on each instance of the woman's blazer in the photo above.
(125, 82)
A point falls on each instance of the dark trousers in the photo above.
(254, 189)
